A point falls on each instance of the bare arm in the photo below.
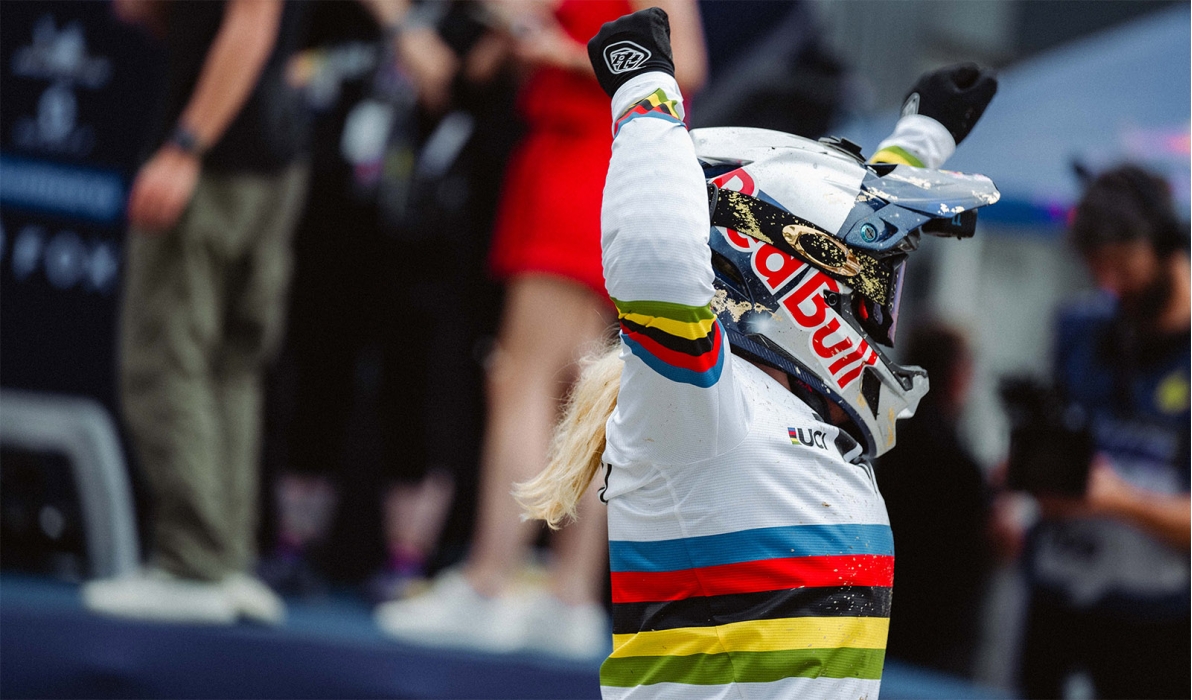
(687, 41)
(166, 183)
(1166, 516)
(429, 62)
(233, 64)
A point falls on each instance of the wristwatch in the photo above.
(186, 141)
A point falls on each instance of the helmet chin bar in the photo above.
(865, 429)
(880, 392)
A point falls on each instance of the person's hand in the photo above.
(486, 57)
(149, 14)
(955, 96)
(1011, 515)
(431, 65)
(162, 189)
(629, 46)
(1108, 493)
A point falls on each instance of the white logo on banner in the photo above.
(58, 56)
(66, 259)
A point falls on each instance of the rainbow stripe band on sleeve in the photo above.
(896, 155)
(657, 106)
(682, 343)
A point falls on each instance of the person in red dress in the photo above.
(546, 249)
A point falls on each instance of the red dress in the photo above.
(549, 217)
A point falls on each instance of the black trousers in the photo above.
(1125, 659)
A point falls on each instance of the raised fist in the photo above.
(631, 45)
(955, 96)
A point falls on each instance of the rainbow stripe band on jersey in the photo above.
(682, 343)
(751, 545)
(753, 606)
(657, 105)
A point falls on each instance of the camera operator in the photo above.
(1110, 570)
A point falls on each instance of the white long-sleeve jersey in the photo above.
(750, 557)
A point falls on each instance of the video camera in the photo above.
(1051, 444)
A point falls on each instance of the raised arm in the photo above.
(938, 113)
(677, 400)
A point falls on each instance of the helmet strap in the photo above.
(814, 400)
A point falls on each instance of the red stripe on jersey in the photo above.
(695, 363)
(753, 577)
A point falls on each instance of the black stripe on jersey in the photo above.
(695, 348)
(834, 601)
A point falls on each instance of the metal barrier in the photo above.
(83, 430)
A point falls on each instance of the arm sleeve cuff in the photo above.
(917, 138)
(642, 85)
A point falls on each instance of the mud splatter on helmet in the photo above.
(809, 245)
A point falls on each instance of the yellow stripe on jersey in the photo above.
(682, 329)
(758, 635)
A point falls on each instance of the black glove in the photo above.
(629, 46)
(955, 96)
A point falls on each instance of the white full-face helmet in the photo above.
(809, 244)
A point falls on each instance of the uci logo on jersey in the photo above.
(625, 56)
(809, 437)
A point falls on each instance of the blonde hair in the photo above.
(577, 443)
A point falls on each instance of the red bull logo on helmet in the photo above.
(838, 346)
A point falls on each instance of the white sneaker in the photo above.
(577, 632)
(155, 594)
(253, 600)
(452, 614)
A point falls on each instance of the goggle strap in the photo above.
(869, 276)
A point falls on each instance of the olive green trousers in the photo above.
(202, 313)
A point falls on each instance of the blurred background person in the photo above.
(411, 124)
(939, 508)
(546, 249)
(207, 272)
(1110, 571)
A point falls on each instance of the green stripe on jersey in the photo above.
(897, 155)
(743, 667)
(666, 309)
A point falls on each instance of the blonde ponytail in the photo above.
(577, 444)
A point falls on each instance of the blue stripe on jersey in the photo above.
(703, 379)
(751, 545)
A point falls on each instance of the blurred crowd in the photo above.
(363, 264)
